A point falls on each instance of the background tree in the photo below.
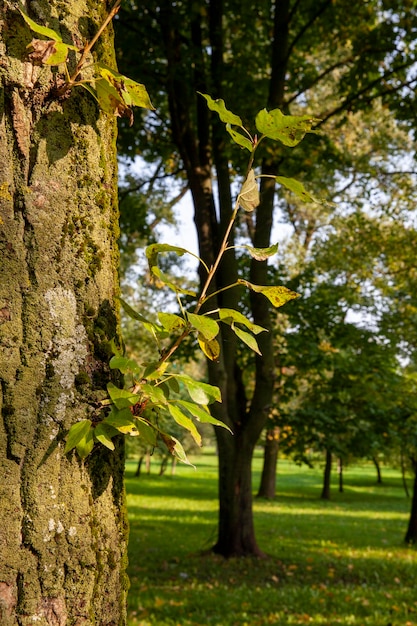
(302, 58)
(63, 521)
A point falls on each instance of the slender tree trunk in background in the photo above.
(63, 529)
(267, 488)
(378, 470)
(403, 476)
(325, 494)
(411, 535)
(340, 473)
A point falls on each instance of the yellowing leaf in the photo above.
(131, 92)
(230, 315)
(185, 422)
(276, 295)
(249, 194)
(210, 348)
(41, 30)
(240, 139)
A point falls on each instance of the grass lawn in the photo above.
(337, 562)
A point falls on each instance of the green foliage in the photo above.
(152, 387)
(116, 94)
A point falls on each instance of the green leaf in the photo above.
(111, 101)
(210, 348)
(41, 30)
(154, 249)
(206, 326)
(86, 444)
(289, 129)
(173, 384)
(167, 281)
(103, 433)
(122, 420)
(247, 338)
(297, 188)
(185, 422)
(202, 414)
(76, 433)
(122, 398)
(146, 431)
(261, 254)
(218, 106)
(249, 194)
(201, 393)
(175, 448)
(230, 315)
(154, 329)
(240, 139)
(276, 295)
(155, 394)
(171, 322)
(124, 364)
(154, 371)
(131, 92)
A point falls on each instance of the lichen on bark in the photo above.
(63, 529)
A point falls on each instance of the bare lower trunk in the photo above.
(340, 473)
(267, 487)
(325, 494)
(378, 470)
(63, 529)
(236, 533)
(411, 534)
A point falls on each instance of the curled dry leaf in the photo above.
(41, 51)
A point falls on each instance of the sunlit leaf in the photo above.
(122, 420)
(154, 393)
(124, 364)
(41, 30)
(121, 398)
(146, 431)
(132, 93)
(218, 106)
(249, 194)
(202, 393)
(175, 448)
(154, 329)
(86, 444)
(103, 433)
(297, 188)
(210, 348)
(230, 315)
(171, 322)
(289, 129)
(238, 138)
(261, 254)
(185, 422)
(276, 295)
(154, 249)
(154, 371)
(76, 433)
(202, 414)
(111, 101)
(208, 327)
(165, 280)
(247, 338)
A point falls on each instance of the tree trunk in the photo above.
(325, 494)
(63, 529)
(403, 476)
(411, 535)
(378, 470)
(236, 533)
(269, 469)
(340, 473)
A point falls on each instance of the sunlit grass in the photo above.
(337, 562)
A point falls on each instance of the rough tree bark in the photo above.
(63, 529)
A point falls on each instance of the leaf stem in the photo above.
(88, 46)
